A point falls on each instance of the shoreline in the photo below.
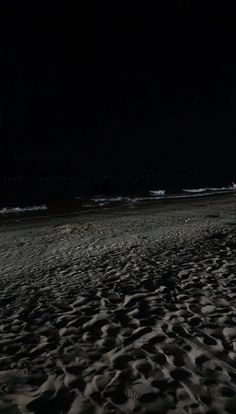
(128, 310)
(17, 220)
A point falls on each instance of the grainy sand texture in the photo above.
(131, 311)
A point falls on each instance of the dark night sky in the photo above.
(117, 87)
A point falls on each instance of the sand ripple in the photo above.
(120, 325)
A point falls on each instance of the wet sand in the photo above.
(120, 312)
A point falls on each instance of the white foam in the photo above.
(12, 210)
(158, 192)
(158, 195)
(209, 189)
(110, 199)
(194, 190)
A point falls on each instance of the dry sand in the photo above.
(129, 311)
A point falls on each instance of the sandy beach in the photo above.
(120, 312)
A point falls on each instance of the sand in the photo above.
(120, 312)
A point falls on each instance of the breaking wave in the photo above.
(209, 189)
(157, 192)
(12, 210)
(110, 199)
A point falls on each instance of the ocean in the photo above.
(57, 195)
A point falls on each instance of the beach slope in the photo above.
(128, 311)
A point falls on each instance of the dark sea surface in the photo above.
(57, 195)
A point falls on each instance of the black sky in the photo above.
(117, 87)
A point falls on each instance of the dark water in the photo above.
(24, 196)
